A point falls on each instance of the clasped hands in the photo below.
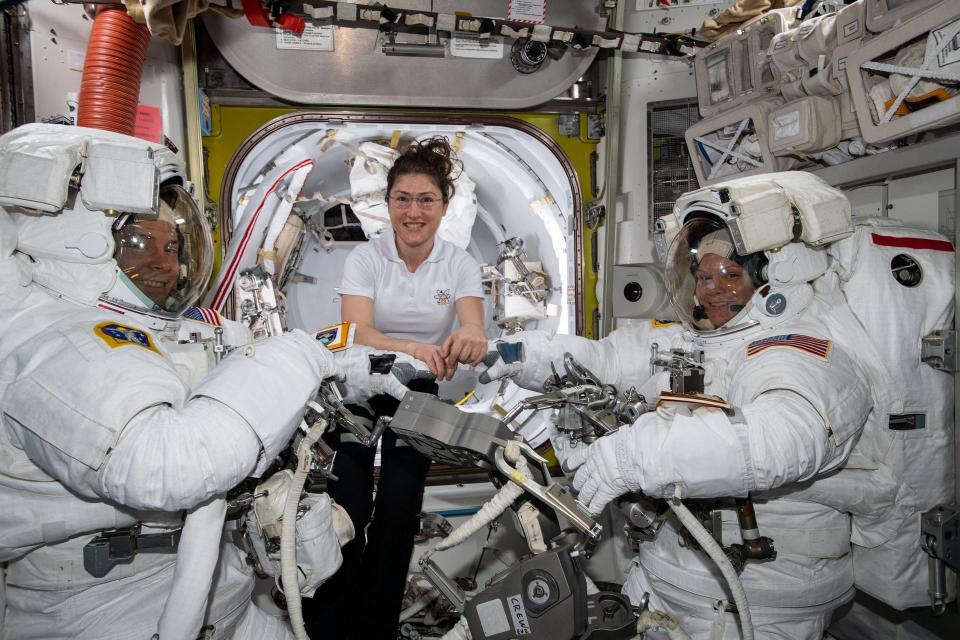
(468, 345)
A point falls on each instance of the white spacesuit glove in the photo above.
(525, 357)
(570, 455)
(267, 383)
(367, 372)
(611, 469)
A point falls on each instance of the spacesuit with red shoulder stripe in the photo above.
(747, 272)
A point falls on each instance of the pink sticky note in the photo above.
(149, 124)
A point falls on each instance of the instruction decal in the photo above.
(313, 38)
(471, 46)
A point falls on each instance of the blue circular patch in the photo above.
(775, 304)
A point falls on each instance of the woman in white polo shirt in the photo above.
(404, 290)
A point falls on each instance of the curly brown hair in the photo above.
(433, 158)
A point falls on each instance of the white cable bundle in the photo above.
(487, 514)
(288, 529)
(716, 554)
(494, 507)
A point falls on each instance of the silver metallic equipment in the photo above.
(519, 288)
(533, 285)
(261, 308)
(940, 538)
(545, 595)
(585, 408)
(685, 367)
(331, 399)
(445, 434)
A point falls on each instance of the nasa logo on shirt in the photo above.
(442, 297)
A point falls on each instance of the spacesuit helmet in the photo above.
(710, 285)
(743, 252)
(164, 260)
(105, 218)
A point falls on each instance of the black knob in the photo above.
(633, 291)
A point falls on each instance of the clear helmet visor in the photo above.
(709, 284)
(166, 259)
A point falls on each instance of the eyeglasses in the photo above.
(424, 202)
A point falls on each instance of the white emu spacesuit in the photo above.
(780, 345)
(112, 426)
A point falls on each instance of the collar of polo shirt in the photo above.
(390, 244)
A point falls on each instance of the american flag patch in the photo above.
(203, 314)
(813, 346)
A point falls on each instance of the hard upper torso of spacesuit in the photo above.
(807, 353)
(102, 365)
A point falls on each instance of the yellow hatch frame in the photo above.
(231, 125)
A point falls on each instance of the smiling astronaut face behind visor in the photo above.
(163, 260)
(105, 216)
(710, 285)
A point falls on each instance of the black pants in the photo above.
(362, 600)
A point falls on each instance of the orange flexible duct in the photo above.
(110, 87)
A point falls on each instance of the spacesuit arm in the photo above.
(170, 459)
(794, 427)
(138, 441)
(621, 359)
(779, 439)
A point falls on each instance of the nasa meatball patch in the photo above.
(806, 344)
(117, 335)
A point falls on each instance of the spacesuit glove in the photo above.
(524, 356)
(611, 469)
(267, 384)
(569, 454)
(368, 372)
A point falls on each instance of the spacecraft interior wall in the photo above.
(347, 66)
(58, 37)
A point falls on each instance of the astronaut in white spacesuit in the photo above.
(786, 356)
(113, 423)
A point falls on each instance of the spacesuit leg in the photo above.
(699, 617)
(330, 613)
(259, 625)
